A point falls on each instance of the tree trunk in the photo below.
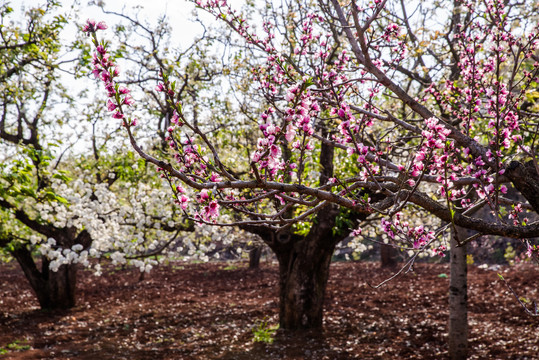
(303, 274)
(458, 300)
(304, 260)
(254, 257)
(54, 290)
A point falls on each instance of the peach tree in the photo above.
(366, 110)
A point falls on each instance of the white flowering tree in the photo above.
(60, 208)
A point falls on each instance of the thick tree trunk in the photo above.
(54, 290)
(303, 276)
(60, 287)
(254, 257)
(304, 260)
(458, 300)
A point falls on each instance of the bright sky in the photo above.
(179, 13)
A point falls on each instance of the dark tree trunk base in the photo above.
(303, 280)
(54, 290)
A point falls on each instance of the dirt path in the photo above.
(207, 311)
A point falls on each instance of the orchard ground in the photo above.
(208, 311)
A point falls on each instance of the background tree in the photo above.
(60, 208)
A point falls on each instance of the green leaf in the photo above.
(500, 276)
(28, 192)
(443, 276)
(61, 176)
(49, 195)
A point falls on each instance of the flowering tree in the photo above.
(61, 208)
(360, 116)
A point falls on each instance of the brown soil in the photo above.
(207, 311)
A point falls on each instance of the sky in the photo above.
(179, 12)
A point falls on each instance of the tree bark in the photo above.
(54, 290)
(525, 179)
(458, 299)
(303, 278)
(254, 257)
(304, 270)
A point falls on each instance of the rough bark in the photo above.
(54, 290)
(526, 179)
(304, 269)
(303, 278)
(458, 300)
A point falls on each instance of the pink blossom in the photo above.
(529, 252)
(92, 27)
(212, 210)
(256, 157)
(101, 49)
(275, 150)
(184, 201)
(271, 129)
(204, 195)
(356, 232)
(101, 26)
(290, 133)
(174, 118)
(118, 115)
(97, 72)
(105, 76)
(110, 105)
(160, 87)
(128, 100)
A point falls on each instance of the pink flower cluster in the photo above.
(401, 232)
(91, 26)
(106, 70)
(483, 98)
(187, 154)
(181, 199)
(434, 156)
(210, 209)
